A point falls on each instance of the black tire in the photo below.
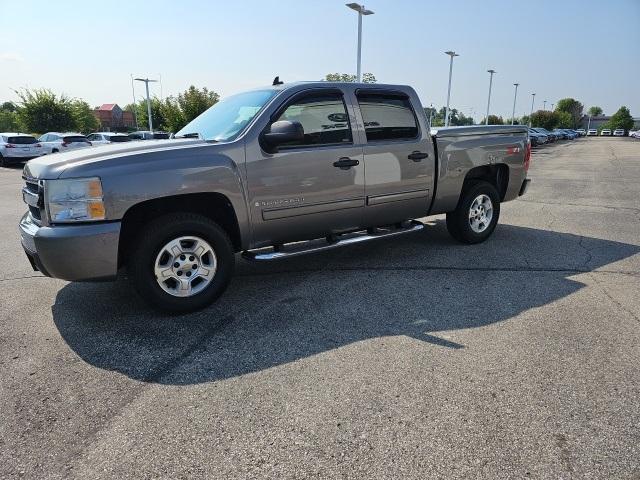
(3, 162)
(54, 150)
(458, 223)
(156, 235)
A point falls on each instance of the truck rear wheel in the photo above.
(476, 216)
(182, 262)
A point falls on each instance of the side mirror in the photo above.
(283, 131)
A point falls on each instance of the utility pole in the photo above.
(533, 99)
(451, 54)
(491, 72)
(361, 11)
(513, 112)
(146, 84)
(135, 107)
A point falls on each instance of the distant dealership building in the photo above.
(597, 122)
(112, 117)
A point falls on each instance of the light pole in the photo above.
(146, 83)
(552, 106)
(135, 107)
(431, 116)
(589, 124)
(361, 11)
(513, 112)
(544, 105)
(451, 54)
(533, 99)
(491, 72)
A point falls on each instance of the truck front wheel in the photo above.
(182, 262)
(476, 216)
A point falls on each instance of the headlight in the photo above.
(74, 200)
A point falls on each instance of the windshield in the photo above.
(227, 119)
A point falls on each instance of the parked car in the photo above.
(54, 142)
(582, 132)
(274, 173)
(105, 138)
(592, 132)
(18, 147)
(537, 138)
(550, 135)
(147, 135)
(618, 132)
(571, 135)
(634, 133)
(561, 134)
(605, 132)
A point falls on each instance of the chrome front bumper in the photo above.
(72, 252)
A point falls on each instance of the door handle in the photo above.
(345, 163)
(417, 156)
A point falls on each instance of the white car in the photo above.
(592, 132)
(605, 132)
(54, 142)
(581, 131)
(18, 147)
(634, 133)
(104, 138)
(618, 132)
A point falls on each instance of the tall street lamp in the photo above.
(533, 99)
(552, 106)
(544, 105)
(491, 72)
(513, 112)
(451, 54)
(361, 11)
(146, 84)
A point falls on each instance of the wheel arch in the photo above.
(213, 205)
(496, 174)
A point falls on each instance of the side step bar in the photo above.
(318, 245)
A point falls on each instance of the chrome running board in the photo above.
(312, 246)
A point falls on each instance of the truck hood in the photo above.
(53, 166)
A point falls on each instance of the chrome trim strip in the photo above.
(396, 197)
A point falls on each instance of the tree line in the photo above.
(41, 110)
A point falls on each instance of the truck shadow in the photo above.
(417, 286)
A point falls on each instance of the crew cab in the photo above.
(270, 173)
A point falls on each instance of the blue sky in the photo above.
(586, 49)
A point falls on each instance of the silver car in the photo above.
(18, 147)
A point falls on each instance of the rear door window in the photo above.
(119, 138)
(387, 116)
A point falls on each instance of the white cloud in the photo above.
(11, 57)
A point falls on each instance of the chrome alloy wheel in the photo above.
(480, 213)
(185, 266)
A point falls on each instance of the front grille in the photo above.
(34, 187)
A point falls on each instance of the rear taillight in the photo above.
(527, 156)
(65, 144)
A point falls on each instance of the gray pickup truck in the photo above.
(273, 172)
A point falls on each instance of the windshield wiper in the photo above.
(190, 135)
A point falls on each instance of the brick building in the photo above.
(112, 117)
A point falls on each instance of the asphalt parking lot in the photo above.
(412, 357)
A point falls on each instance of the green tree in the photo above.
(349, 78)
(157, 114)
(8, 118)
(194, 101)
(621, 119)
(493, 120)
(564, 120)
(41, 111)
(544, 119)
(594, 111)
(573, 107)
(173, 115)
(84, 119)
